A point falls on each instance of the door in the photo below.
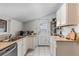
(44, 32)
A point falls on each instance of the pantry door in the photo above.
(44, 32)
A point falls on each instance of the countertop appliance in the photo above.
(9, 51)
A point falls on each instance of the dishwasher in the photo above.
(9, 51)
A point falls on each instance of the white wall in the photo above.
(31, 25)
(66, 30)
(34, 24)
(15, 26)
(77, 28)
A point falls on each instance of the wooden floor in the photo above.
(39, 51)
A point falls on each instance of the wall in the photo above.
(15, 26)
(34, 24)
(66, 30)
(77, 28)
(31, 25)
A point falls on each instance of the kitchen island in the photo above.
(60, 46)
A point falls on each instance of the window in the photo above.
(3, 25)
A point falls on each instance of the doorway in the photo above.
(44, 32)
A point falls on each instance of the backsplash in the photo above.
(77, 29)
(66, 30)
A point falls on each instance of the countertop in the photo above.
(57, 38)
(5, 44)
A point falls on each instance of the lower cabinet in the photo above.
(52, 47)
(24, 44)
(20, 47)
(32, 42)
(66, 49)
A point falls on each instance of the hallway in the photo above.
(40, 51)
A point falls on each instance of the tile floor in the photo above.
(40, 51)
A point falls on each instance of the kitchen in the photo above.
(49, 32)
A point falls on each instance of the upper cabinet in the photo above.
(61, 15)
(58, 17)
(72, 13)
(67, 14)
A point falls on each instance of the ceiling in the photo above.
(27, 11)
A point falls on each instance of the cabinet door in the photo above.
(66, 49)
(20, 47)
(58, 17)
(67, 14)
(32, 42)
(52, 47)
(72, 13)
(63, 14)
(25, 45)
(35, 41)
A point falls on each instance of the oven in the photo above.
(9, 51)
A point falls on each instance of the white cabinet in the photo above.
(52, 47)
(66, 49)
(63, 48)
(58, 18)
(61, 15)
(32, 42)
(67, 14)
(20, 47)
(25, 45)
(72, 13)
